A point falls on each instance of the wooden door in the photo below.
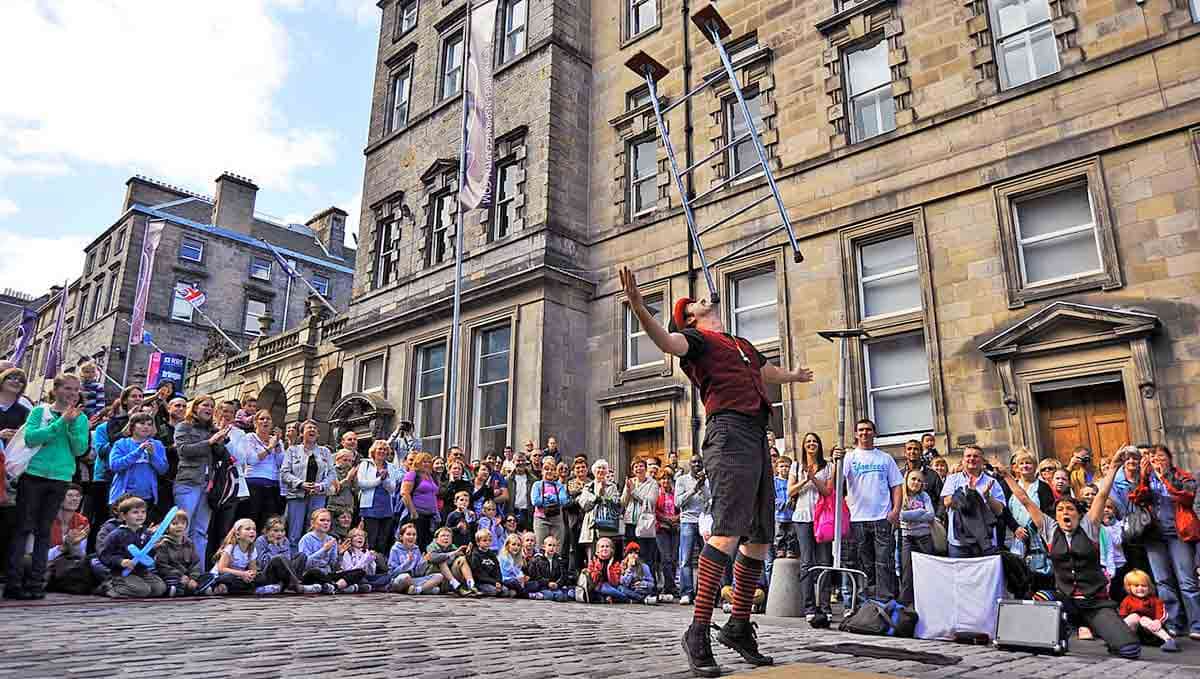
(644, 443)
(1092, 416)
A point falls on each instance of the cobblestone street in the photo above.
(389, 636)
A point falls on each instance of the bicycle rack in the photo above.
(714, 28)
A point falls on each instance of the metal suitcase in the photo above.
(1031, 626)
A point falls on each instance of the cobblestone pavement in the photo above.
(382, 635)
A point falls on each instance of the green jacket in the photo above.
(61, 443)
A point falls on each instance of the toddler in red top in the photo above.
(1142, 609)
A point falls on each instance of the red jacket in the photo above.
(1150, 607)
(1182, 489)
(600, 572)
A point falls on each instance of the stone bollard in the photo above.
(784, 598)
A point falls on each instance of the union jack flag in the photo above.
(191, 295)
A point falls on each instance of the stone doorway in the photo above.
(1092, 414)
(641, 444)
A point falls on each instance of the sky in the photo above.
(95, 91)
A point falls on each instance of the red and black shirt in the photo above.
(728, 372)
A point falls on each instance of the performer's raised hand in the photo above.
(629, 283)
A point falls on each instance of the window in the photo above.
(754, 314)
(406, 17)
(370, 374)
(452, 66)
(1195, 4)
(506, 201)
(643, 176)
(643, 15)
(898, 395)
(431, 395)
(255, 309)
(637, 98)
(1025, 46)
(889, 281)
(114, 290)
(743, 155)
(775, 422)
(872, 111)
(400, 92)
(103, 252)
(491, 389)
(321, 284)
(512, 42)
(119, 241)
(191, 249)
(436, 248)
(260, 268)
(94, 312)
(388, 231)
(639, 349)
(90, 263)
(1056, 236)
(181, 310)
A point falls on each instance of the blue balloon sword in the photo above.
(142, 556)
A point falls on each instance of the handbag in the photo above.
(1038, 557)
(1139, 525)
(823, 513)
(17, 454)
(606, 515)
(550, 506)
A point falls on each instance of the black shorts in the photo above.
(738, 466)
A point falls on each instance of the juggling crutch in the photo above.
(714, 28)
(841, 336)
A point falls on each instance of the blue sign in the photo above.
(166, 368)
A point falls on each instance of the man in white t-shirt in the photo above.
(873, 483)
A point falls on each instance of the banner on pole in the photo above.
(24, 336)
(191, 295)
(478, 145)
(166, 368)
(54, 351)
(154, 230)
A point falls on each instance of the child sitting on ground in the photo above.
(512, 566)
(598, 570)
(321, 551)
(408, 571)
(637, 581)
(451, 563)
(237, 565)
(357, 562)
(549, 577)
(1142, 610)
(462, 520)
(141, 582)
(485, 565)
(178, 564)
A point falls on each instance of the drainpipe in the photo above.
(689, 153)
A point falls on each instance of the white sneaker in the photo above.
(413, 589)
(685, 600)
(312, 589)
(268, 589)
(728, 608)
(351, 589)
(328, 588)
(651, 600)
(667, 598)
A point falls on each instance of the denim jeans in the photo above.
(620, 594)
(298, 511)
(689, 542)
(970, 552)
(876, 556)
(921, 544)
(813, 553)
(38, 501)
(1174, 565)
(668, 550)
(194, 501)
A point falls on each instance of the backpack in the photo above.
(223, 490)
(607, 515)
(17, 453)
(891, 619)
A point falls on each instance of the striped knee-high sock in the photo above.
(708, 583)
(746, 573)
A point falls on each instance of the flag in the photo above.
(24, 335)
(191, 295)
(54, 351)
(287, 265)
(476, 190)
(154, 232)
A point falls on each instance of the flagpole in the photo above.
(455, 317)
(289, 270)
(129, 346)
(156, 347)
(216, 327)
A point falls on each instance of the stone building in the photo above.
(216, 244)
(1003, 193)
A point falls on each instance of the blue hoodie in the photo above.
(267, 550)
(135, 470)
(782, 513)
(319, 558)
(403, 559)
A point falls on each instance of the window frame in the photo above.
(418, 401)
(175, 299)
(432, 241)
(632, 30)
(114, 289)
(630, 337)
(477, 387)
(400, 30)
(731, 283)
(196, 244)
(1008, 194)
(1022, 241)
(258, 272)
(887, 438)
(406, 70)
(730, 109)
(637, 98)
(998, 42)
(256, 332)
(119, 241)
(862, 281)
(448, 39)
(360, 373)
(321, 283)
(500, 206)
(94, 308)
(634, 181)
(868, 43)
(387, 242)
(504, 36)
(103, 252)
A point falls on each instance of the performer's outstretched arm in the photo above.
(668, 342)
(773, 374)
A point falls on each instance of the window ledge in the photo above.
(635, 38)
(1028, 294)
(830, 24)
(189, 268)
(645, 109)
(759, 53)
(660, 369)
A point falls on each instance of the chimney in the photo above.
(234, 206)
(330, 227)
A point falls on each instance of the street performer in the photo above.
(730, 374)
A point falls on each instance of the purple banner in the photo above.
(478, 151)
(137, 324)
(54, 351)
(24, 335)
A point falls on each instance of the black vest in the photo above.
(1076, 564)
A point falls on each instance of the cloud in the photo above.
(8, 208)
(178, 89)
(365, 13)
(36, 263)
